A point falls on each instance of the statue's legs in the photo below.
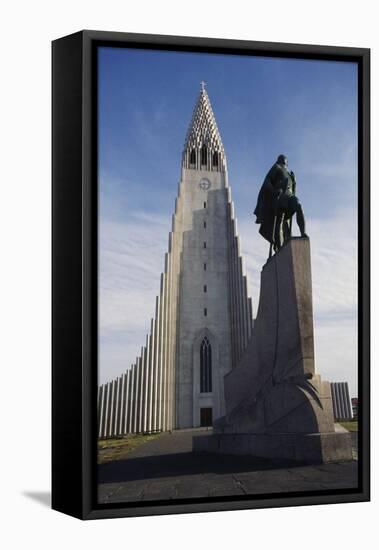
(300, 220)
(278, 239)
(294, 207)
(286, 229)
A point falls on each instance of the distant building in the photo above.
(341, 401)
(354, 406)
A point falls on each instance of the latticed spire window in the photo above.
(205, 366)
(203, 146)
(204, 155)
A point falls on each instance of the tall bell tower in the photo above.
(203, 315)
(214, 312)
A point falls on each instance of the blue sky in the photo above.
(263, 107)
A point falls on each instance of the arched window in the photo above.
(215, 160)
(204, 155)
(193, 157)
(205, 366)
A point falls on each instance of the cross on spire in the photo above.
(203, 84)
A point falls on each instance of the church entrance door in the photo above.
(205, 417)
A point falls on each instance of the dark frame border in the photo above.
(74, 332)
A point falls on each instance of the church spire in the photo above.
(203, 148)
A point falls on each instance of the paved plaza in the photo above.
(166, 468)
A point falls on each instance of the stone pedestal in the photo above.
(276, 405)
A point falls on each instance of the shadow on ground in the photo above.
(183, 464)
(42, 497)
(166, 469)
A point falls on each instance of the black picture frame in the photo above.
(74, 271)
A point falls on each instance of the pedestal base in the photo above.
(305, 448)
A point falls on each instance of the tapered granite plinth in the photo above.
(276, 404)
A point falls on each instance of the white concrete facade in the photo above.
(341, 401)
(203, 295)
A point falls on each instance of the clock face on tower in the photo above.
(204, 184)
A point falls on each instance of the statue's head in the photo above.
(282, 159)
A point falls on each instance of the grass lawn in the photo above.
(351, 426)
(118, 448)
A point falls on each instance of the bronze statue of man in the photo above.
(277, 203)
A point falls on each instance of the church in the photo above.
(203, 314)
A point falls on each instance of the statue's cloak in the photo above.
(265, 209)
(277, 179)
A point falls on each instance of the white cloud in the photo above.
(131, 260)
(336, 348)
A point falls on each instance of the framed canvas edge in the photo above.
(86, 507)
(67, 364)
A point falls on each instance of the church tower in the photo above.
(203, 315)
(214, 317)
